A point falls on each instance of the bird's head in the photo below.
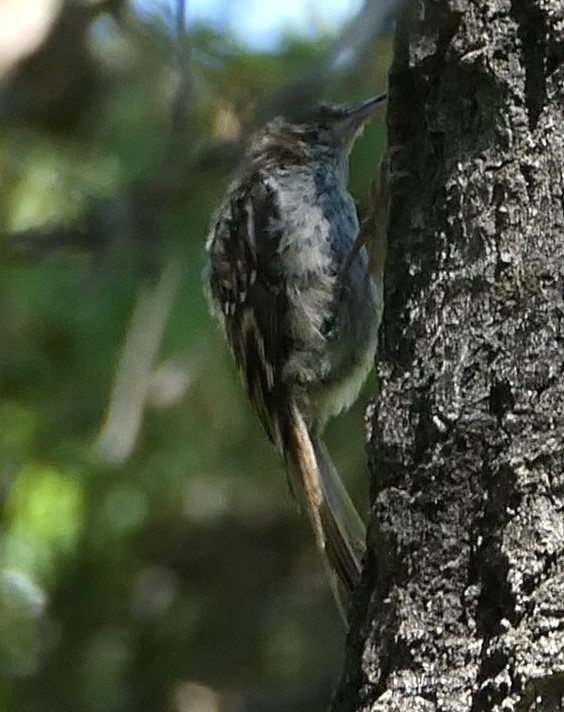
(322, 131)
(333, 125)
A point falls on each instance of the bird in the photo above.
(288, 277)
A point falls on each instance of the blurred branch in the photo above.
(369, 24)
(43, 242)
(183, 100)
(56, 83)
(150, 315)
(103, 224)
(345, 54)
(142, 343)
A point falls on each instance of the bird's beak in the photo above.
(357, 115)
(352, 124)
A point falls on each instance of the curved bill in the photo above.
(364, 111)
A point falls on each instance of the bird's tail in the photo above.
(337, 527)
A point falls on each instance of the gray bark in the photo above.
(462, 601)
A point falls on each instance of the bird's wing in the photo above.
(248, 290)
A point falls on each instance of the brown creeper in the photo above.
(289, 282)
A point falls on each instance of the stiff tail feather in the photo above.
(337, 527)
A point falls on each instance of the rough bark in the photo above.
(462, 602)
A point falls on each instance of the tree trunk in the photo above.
(462, 602)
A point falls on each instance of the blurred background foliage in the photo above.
(151, 557)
